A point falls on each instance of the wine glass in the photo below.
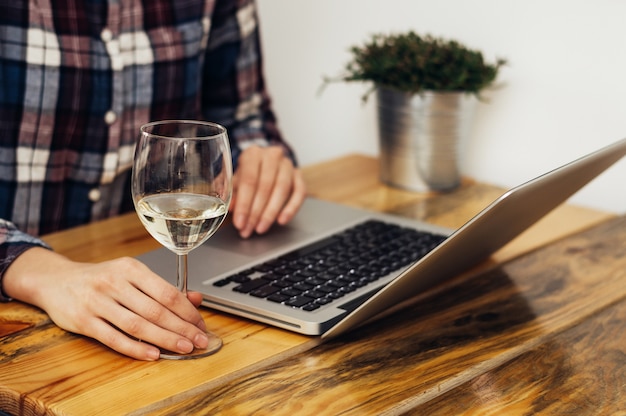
(181, 187)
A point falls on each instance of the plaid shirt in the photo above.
(78, 79)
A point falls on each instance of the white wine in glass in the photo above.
(181, 187)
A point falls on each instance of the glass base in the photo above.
(215, 343)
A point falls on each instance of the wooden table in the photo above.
(540, 328)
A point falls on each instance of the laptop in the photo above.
(335, 267)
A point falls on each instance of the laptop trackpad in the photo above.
(227, 239)
(226, 252)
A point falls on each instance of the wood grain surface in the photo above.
(480, 324)
(521, 338)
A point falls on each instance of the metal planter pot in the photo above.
(422, 138)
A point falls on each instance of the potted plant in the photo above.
(426, 88)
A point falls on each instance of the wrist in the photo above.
(28, 273)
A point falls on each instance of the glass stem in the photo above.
(181, 276)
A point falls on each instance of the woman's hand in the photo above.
(117, 302)
(267, 189)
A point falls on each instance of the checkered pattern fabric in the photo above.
(78, 79)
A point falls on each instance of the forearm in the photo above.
(29, 275)
(13, 244)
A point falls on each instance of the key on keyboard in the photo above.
(322, 272)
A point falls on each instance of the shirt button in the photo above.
(110, 117)
(94, 195)
(106, 35)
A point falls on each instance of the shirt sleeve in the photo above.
(234, 90)
(13, 242)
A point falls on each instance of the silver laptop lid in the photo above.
(489, 230)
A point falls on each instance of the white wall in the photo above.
(563, 93)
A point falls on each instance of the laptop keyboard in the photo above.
(320, 273)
